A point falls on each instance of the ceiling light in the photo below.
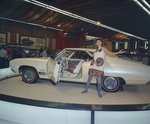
(58, 25)
(98, 23)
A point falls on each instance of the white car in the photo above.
(72, 65)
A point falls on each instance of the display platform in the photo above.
(68, 92)
(44, 102)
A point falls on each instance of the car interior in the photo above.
(72, 63)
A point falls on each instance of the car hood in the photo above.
(31, 59)
(29, 62)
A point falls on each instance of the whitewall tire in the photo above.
(111, 84)
(29, 75)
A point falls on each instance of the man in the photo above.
(3, 56)
(44, 53)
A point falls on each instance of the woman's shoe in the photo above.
(100, 95)
(84, 91)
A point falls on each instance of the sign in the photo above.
(126, 45)
(136, 45)
(72, 37)
(117, 45)
(3, 37)
(84, 43)
(33, 42)
(146, 45)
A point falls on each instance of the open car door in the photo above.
(53, 70)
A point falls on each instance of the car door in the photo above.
(53, 70)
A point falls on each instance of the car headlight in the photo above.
(11, 67)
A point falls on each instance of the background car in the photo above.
(72, 64)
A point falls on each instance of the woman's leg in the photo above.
(99, 82)
(87, 84)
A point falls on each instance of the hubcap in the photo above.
(28, 75)
(110, 83)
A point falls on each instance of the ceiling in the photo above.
(124, 15)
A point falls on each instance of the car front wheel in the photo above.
(111, 84)
(29, 75)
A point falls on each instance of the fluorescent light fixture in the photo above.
(30, 23)
(146, 3)
(119, 31)
(142, 6)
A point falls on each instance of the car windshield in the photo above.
(80, 55)
(124, 57)
(74, 54)
(65, 54)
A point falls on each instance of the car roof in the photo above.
(74, 49)
(80, 49)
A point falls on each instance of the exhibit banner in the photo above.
(136, 45)
(3, 38)
(146, 45)
(117, 45)
(71, 36)
(32, 42)
(126, 45)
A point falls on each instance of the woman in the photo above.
(97, 65)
